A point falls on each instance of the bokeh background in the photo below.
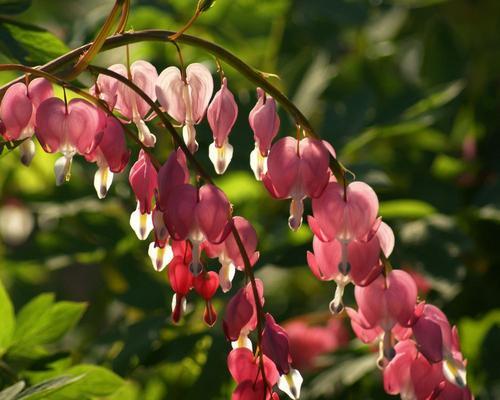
(408, 92)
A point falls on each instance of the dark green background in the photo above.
(396, 86)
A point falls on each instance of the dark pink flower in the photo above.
(221, 115)
(265, 123)
(18, 113)
(185, 97)
(296, 170)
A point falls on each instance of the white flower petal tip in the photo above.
(258, 163)
(189, 136)
(62, 169)
(242, 342)
(142, 224)
(27, 150)
(102, 181)
(454, 372)
(160, 256)
(220, 156)
(291, 383)
(226, 275)
(145, 135)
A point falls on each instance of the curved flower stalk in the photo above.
(185, 97)
(18, 113)
(345, 215)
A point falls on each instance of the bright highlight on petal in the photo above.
(142, 224)
(102, 181)
(291, 383)
(258, 163)
(160, 256)
(220, 156)
(62, 169)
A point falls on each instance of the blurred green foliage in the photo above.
(408, 92)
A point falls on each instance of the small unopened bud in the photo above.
(204, 5)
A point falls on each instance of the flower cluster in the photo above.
(419, 350)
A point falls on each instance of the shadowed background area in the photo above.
(408, 93)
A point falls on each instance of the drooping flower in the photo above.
(174, 172)
(121, 97)
(18, 113)
(438, 341)
(111, 155)
(265, 123)
(181, 281)
(296, 170)
(185, 97)
(206, 285)
(221, 115)
(245, 370)
(198, 215)
(275, 346)
(143, 181)
(240, 317)
(72, 128)
(229, 253)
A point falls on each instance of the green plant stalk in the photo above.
(120, 7)
(238, 64)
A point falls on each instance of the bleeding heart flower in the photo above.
(181, 281)
(296, 170)
(143, 180)
(229, 254)
(240, 317)
(245, 370)
(171, 174)
(359, 264)
(18, 113)
(344, 215)
(221, 115)
(197, 215)
(206, 285)
(111, 155)
(132, 106)
(70, 128)
(185, 97)
(265, 123)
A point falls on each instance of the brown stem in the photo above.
(96, 46)
(250, 73)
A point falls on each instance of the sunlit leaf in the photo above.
(7, 320)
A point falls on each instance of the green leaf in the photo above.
(7, 320)
(14, 6)
(28, 44)
(42, 389)
(95, 381)
(437, 99)
(11, 392)
(42, 321)
(406, 208)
